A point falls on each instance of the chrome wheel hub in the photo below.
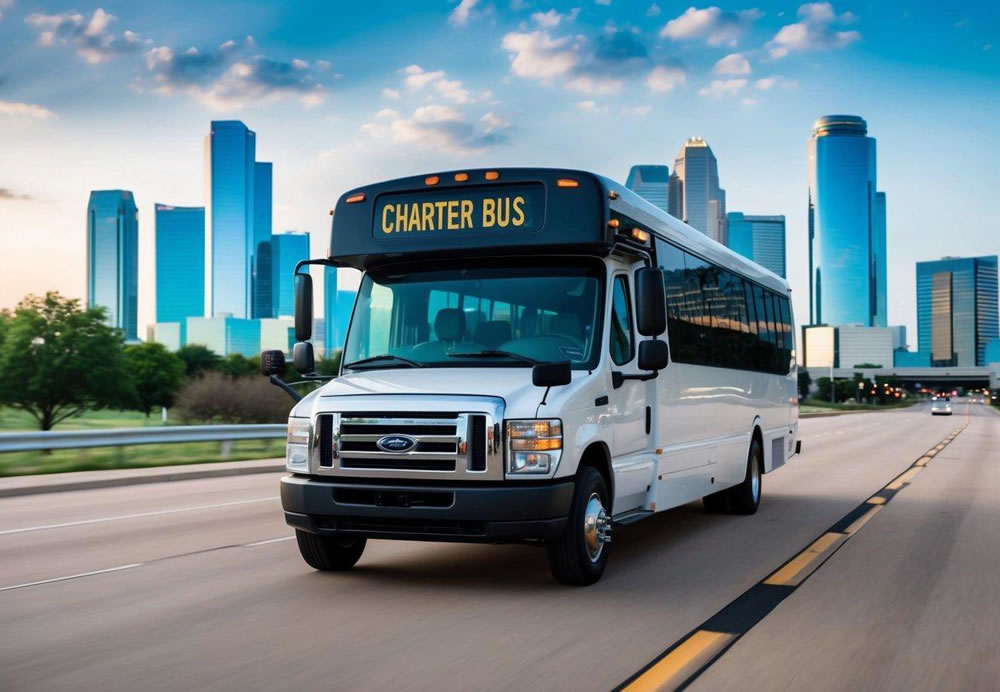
(755, 480)
(596, 527)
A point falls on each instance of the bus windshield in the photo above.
(512, 313)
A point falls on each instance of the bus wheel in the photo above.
(716, 503)
(745, 497)
(330, 553)
(580, 556)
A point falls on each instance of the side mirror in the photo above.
(650, 302)
(551, 374)
(272, 363)
(303, 309)
(302, 358)
(653, 355)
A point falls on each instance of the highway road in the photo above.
(198, 585)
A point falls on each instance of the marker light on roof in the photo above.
(431, 180)
(357, 197)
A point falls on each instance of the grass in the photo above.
(820, 406)
(140, 456)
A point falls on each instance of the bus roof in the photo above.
(529, 211)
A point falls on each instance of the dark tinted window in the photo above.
(620, 340)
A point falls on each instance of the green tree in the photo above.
(329, 366)
(58, 360)
(198, 359)
(236, 365)
(805, 380)
(157, 374)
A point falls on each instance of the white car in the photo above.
(940, 407)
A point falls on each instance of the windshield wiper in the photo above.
(497, 354)
(386, 356)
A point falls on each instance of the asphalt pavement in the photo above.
(197, 584)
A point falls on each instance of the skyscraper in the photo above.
(113, 258)
(230, 149)
(337, 308)
(262, 290)
(957, 309)
(180, 264)
(759, 238)
(651, 183)
(694, 193)
(847, 258)
(287, 249)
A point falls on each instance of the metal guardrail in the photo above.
(123, 437)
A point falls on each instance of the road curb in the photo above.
(180, 474)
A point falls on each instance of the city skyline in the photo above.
(694, 195)
(323, 136)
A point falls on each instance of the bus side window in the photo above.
(620, 340)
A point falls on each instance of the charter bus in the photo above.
(535, 355)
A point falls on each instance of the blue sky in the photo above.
(120, 94)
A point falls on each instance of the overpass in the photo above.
(974, 377)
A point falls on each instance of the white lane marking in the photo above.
(71, 576)
(136, 516)
(270, 540)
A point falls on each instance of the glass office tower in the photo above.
(759, 238)
(180, 264)
(847, 259)
(113, 258)
(338, 305)
(262, 289)
(694, 195)
(230, 150)
(957, 309)
(652, 183)
(287, 249)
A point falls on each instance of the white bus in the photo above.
(535, 355)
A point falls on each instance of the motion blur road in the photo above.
(210, 592)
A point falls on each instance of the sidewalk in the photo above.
(85, 480)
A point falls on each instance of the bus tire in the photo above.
(745, 497)
(578, 558)
(717, 503)
(330, 553)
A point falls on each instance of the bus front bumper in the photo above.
(465, 513)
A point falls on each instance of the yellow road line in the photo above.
(904, 477)
(863, 519)
(803, 564)
(876, 500)
(922, 461)
(676, 668)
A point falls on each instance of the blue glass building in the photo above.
(694, 195)
(847, 259)
(230, 151)
(113, 258)
(337, 310)
(759, 238)
(957, 309)
(262, 283)
(180, 264)
(652, 183)
(287, 249)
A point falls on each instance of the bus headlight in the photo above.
(533, 446)
(299, 439)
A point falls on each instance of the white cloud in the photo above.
(813, 31)
(4, 5)
(665, 77)
(390, 94)
(25, 110)
(734, 63)
(417, 78)
(748, 101)
(591, 107)
(637, 111)
(723, 87)
(552, 18)
(436, 126)
(460, 15)
(766, 83)
(92, 38)
(711, 23)
(653, 11)
(536, 55)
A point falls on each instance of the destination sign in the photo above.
(497, 209)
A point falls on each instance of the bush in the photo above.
(218, 398)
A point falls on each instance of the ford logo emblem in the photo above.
(396, 443)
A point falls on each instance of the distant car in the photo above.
(940, 407)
